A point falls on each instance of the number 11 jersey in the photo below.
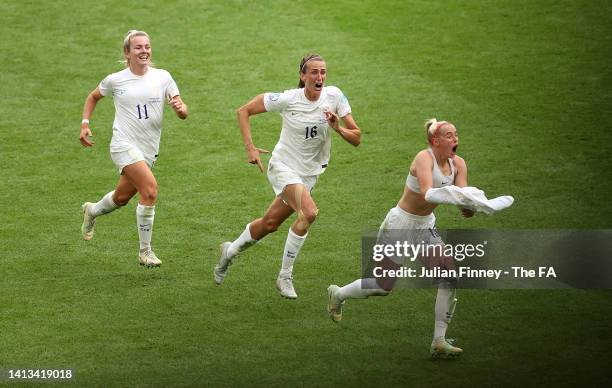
(139, 108)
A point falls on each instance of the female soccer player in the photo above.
(139, 93)
(435, 167)
(309, 114)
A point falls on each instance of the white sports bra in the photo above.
(439, 180)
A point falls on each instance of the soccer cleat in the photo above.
(443, 348)
(334, 305)
(149, 259)
(222, 266)
(284, 284)
(89, 222)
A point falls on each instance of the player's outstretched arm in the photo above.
(253, 107)
(90, 104)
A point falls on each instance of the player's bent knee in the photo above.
(149, 193)
(306, 218)
(309, 217)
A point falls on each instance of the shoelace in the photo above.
(288, 282)
(92, 221)
(150, 254)
(229, 260)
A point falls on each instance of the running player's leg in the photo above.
(141, 177)
(298, 197)
(277, 213)
(111, 201)
(358, 289)
(446, 301)
(396, 225)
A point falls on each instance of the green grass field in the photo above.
(527, 83)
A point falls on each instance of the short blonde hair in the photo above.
(432, 127)
(127, 40)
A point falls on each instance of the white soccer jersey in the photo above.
(139, 108)
(305, 140)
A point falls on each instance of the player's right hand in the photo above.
(253, 156)
(85, 136)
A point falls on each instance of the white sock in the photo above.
(103, 206)
(241, 243)
(445, 307)
(144, 217)
(360, 289)
(293, 244)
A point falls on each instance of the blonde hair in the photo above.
(126, 44)
(432, 127)
(303, 62)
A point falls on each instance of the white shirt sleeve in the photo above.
(105, 85)
(343, 108)
(171, 88)
(275, 101)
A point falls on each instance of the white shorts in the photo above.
(399, 226)
(131, 156)
(280, 176)
(398, 218)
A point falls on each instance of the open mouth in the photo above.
(455, 148)
(318, 85)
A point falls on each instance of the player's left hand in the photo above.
(332, 119)
(177, 105)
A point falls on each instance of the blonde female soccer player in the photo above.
(310, 114)
(139, 92)
(435, 167)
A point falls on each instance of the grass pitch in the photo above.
(526, 83)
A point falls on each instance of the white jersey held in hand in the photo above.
(468, 197)
(139, 108)
(305, 140)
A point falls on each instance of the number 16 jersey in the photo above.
(305, 139)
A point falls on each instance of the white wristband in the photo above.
(85, 121)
